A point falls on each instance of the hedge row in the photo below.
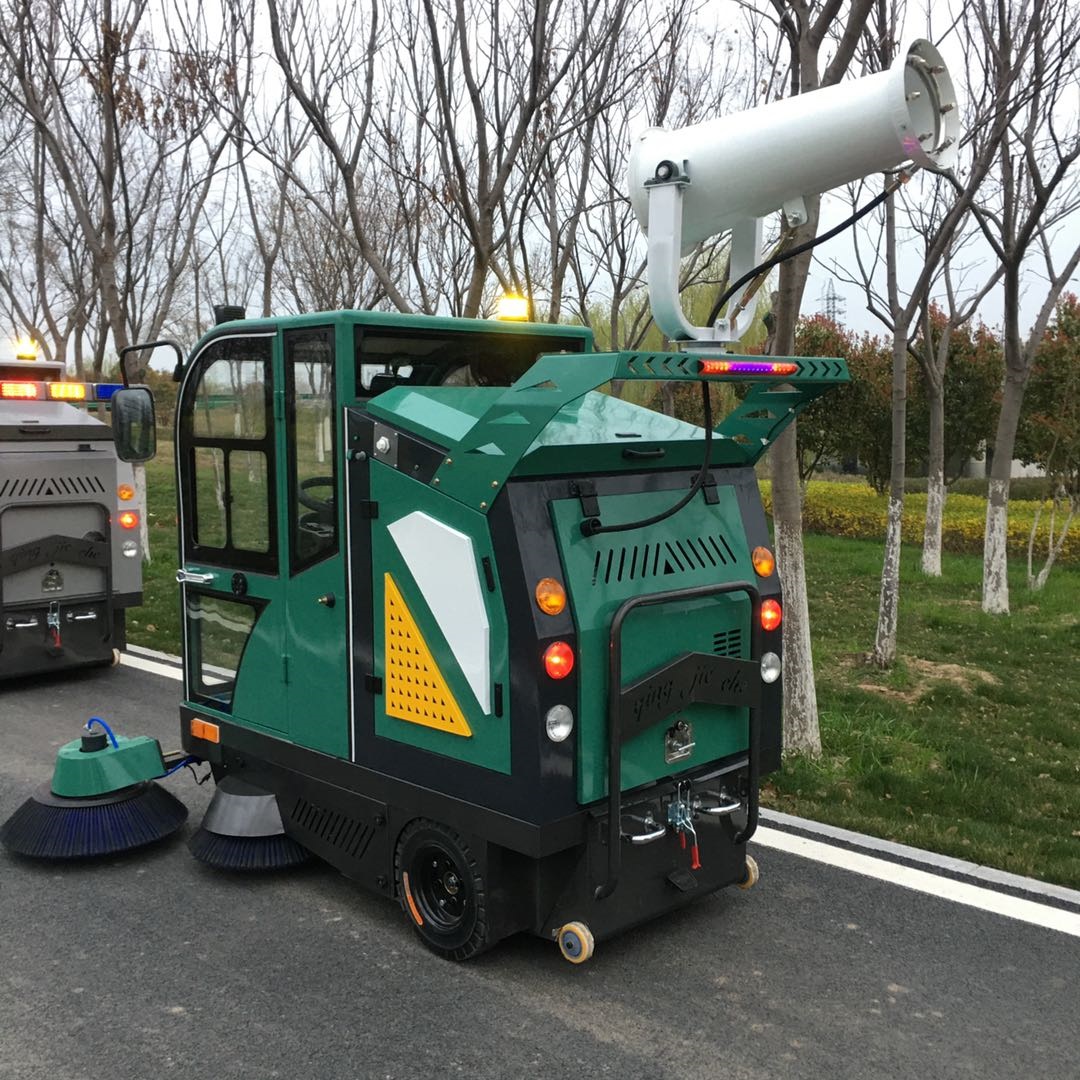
(856, 510)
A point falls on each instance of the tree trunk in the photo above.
(935, 483)
(995, 593)
(889, 600)
(802, 734)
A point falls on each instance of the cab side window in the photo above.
(229, 437)
(310, 437)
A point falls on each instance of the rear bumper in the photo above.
(655, 877)
(44, 637)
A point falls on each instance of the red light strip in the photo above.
(24, 390)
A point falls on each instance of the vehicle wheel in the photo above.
(752, 873)
(442, 890)
(576, 942)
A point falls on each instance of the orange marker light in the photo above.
(764, 563)
(203, 729)
(558, 660)
(125, 493)
(550, 596)
(129, 519)
(18, 390)
(67, 391)
(770, 614)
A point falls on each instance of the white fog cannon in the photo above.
(695, 182)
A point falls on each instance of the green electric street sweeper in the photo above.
(493, 641)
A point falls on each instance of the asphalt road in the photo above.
(152, 965)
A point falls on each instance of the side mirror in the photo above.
(134, 427)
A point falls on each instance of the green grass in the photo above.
(980, 760)
(971, 745)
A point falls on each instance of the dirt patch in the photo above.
(924, 673)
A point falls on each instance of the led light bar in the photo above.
(24, 390)
(745, 367)
(67, 391)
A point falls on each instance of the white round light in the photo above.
(770, 667)
(559, 722)
(130, 549)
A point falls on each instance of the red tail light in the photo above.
(558, 660)
(771, 615)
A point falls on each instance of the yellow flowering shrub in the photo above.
(856, 510)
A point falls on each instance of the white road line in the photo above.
(959, 892)
(128, 660)
(890, 850)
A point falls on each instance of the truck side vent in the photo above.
(39, 487)
(336, 829)
(728, 642)
(665, 558)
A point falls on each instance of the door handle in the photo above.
(189, 577)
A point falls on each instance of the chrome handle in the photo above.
(189, 577)
(722, 810)
(646, 837)
(25, 624)
(649, 837)
(86, 616)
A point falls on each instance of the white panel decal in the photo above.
(443, 563)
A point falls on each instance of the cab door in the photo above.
(232, 595)
(313, 568)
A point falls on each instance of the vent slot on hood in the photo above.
(39, 487)
(659, 559)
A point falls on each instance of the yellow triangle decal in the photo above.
(413, 678)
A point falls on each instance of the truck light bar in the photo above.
(745, 367)
(67, 391)
(57, 391)
(25, 390)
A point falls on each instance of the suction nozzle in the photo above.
(101, 800)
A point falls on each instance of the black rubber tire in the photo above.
(439, 881)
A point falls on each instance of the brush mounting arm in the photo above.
(665, 194)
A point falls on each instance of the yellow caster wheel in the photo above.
(752, 873)
(576, 942)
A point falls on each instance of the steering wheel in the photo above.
(324, 508)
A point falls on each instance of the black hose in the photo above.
(592, 526)
(783, 256)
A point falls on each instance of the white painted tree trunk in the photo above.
(935, 514)
(802, 734)
(1053, 547)
(889, 600)
(140, 500)
(935, 484)
(995, 594)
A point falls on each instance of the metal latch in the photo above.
(678, 742)
(190, 577)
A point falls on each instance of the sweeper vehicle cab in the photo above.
(70, 555)
(492, 640)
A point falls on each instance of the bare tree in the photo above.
(805, 27)
(1027, 53)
